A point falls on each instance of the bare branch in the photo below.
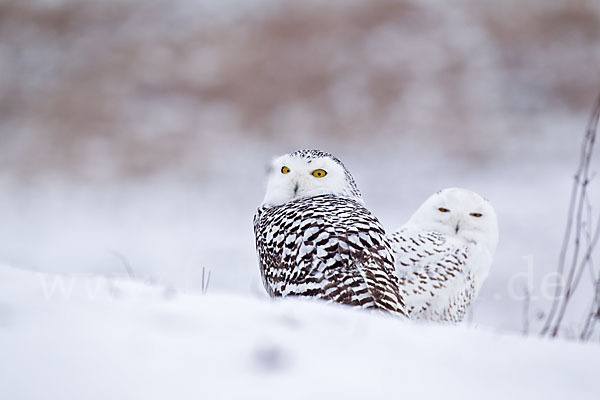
(205, 280)
(526, 306)
(576, 227)
(125, 263)
(594, 314)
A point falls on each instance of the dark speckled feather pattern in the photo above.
(327, 247)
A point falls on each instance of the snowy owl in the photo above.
(444, 253)
(315, 238)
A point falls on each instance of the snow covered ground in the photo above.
(103, 338)
(168, 228)
(133, 143)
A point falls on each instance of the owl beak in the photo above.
(457, 228)
(296, 189)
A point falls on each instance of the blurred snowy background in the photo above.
(137, 133)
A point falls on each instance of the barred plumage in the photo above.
(444, 253)
(434, 275)
(318, 239)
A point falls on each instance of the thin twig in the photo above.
(125, 263)
(594, 314)
(590, 140)
(577, 205)
(586, 261)
(563, 252)
(526, 305)
(205, 280)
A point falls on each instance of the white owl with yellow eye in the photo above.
(443, 254)
(315, 238)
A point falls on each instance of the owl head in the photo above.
(459, 213)
(307, 173)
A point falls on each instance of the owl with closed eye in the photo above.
(315, 238)
(443, 254)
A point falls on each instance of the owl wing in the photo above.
(434, 279)
(364, 252)
(327, 247)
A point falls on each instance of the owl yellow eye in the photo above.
(442, 209)
(319, 173)
(285, 170)
(476, 215)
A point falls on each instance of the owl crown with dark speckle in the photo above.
(311, 154)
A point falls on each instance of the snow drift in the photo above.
(98, 338)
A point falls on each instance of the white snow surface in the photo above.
(104, 338)
(478, 108)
